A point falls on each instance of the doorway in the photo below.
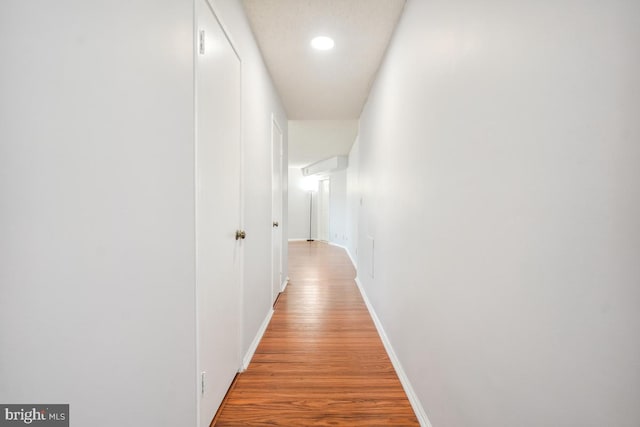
(218, 212)
(324, 201)
(276, 209)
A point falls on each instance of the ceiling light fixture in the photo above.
(322, 43)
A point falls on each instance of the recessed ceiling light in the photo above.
(322, 43)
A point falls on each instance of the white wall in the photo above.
(259, 101)
(298, 207)
(338, 208)
(97, 210)
(353, 202)
(499, 171)
(97, 215)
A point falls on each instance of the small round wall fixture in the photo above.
(322, 43)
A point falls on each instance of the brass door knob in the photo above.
(240, 234)
(275, 224)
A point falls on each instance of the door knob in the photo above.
(275, 223)
(240, 234)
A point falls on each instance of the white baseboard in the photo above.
(411, 395)
(254, 345)
(297, 240)
(284, 284)
(353, 261)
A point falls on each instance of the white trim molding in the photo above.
(254, 345)
(404, 380)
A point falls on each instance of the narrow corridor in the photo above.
(321, 361)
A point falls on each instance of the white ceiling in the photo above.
(314, 140)
(323, 85)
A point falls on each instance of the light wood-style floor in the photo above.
(321, 361)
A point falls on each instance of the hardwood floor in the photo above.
(321, 361)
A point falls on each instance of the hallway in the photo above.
(321, 361)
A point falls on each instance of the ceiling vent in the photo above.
(326, 166)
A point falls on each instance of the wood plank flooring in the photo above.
(321, 361)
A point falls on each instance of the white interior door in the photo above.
(276, 203)
(218, 212)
